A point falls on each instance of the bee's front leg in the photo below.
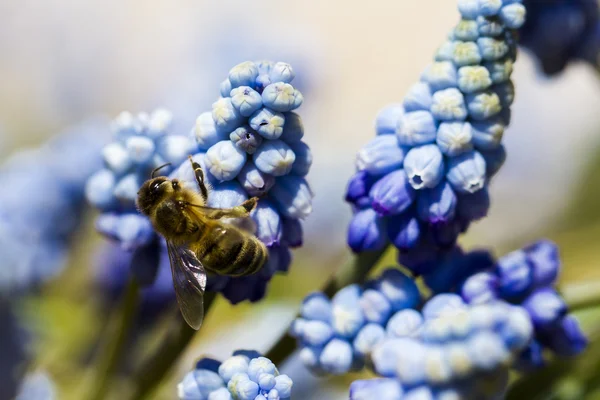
(199, 175)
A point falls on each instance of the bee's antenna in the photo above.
(155, 170)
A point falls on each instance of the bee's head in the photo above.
(152, 192)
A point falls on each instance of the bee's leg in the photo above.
(199, 174)
(241, 211)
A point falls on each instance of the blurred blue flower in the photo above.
(14, 341)
(558, 32)
(244, 376)
(37, 386)
(43, 208)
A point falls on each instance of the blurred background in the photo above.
(66, 61)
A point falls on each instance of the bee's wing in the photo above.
(189, 280)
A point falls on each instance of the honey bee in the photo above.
(198, 239)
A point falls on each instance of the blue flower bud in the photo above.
(437, 366)
(268, 123)
(489, 8)
(293, 196)
(379, 388)
(454, 138)
(188, 388)
(369, 336)
(99, 189)
(254, 181)
(375, 307)
(424, 166)
(316, 333)
(205, 131)
(125, 125)
(224, 160)
(403, 230)
(400, 290)
(545, 307)
(483, 105)
(442, 304)
(292, 233)
(130, 230)
(466, 53)
(437, 205)
(487, 135)
(469, 9)
(567, 339)
(490, 27)
(303, 159)
(515, 274)
(225, 115)
(246, 139)
(480, 288)
(499, 71)
(336, 357)
(158, 123)
(281, 97)
(243, 74)
(274, 157)
(359, 186)
(366, 231)
(283, 385)
(445, 52)
(262, 82)
(532, 358)
(268, 223)
(225, 88)
(545, 262)
(405, 323)
(116, 158)
(220, 394)
(261, 365)
(494, 159)
(448, 105)
(392, 194)
(466, 30)
(310, 358)
(474, 78)
(266, 381)
(513, 15)
(466, 172)
(293, 130)
(281, 72)
(517, 330)
(487, 351)
(126, 189)
(175, 148)
(473, 206)
(316, 306)
(232, 366)
(387, 119)
(506, 94)
(227, 195)
(246, 100)
(139, 148)
(421, 259)
(440, 75)
(416, 128)
(243, 388)
(380, 156)
(402, 357)
(418, 98)
(492, 49)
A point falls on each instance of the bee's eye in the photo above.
(156, 185)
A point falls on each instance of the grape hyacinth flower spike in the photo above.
(244, 376)
(424, 178)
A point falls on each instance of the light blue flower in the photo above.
(225, 115)
(246, 139)
(466, 30)
(380, 156)
(245, 100)
(437, 205)
(268, 123)
(336, 357)
(491, 27)
(205, 131)
(268, 223)
(293, 196)
(293, 130)
(375, 307)
(469, 9)
(513, 15)
(405, 323)
(545, 307)
(117, 158)
(492, 49)
(416, 128)
(281, 97)
(400, 290)
(418, 98)
(387, 119)
(254, 181)
(281, 72)
(274, 157)
(455, 138)
(483, 105)
(448, 105)
(243, 74)
(445, 52)
(440, 75)
(99, 189)
(303, 158)
(499, 71)
(487, 135)
(380, 389)
(424, 166)
(392, 194)
(224, 160)
(366, 339)
(466, 53)
(489, 8)
(475, 78)
(466, 172)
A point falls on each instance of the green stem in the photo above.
(353, 271)
(582, 295)
(154, 369)
(117, 340)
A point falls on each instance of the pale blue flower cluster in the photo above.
(336, 336)
(424, 178)
(561, 31)
(140, 144)
(41, 205)
(37, 386)
(244, 376)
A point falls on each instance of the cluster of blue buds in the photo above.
(424, 178)
(140, 144)
(338, 335)
(527, 277)
(435, 353)
(251, 145)
(42, 205)
(245, 376)
(561, 31)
